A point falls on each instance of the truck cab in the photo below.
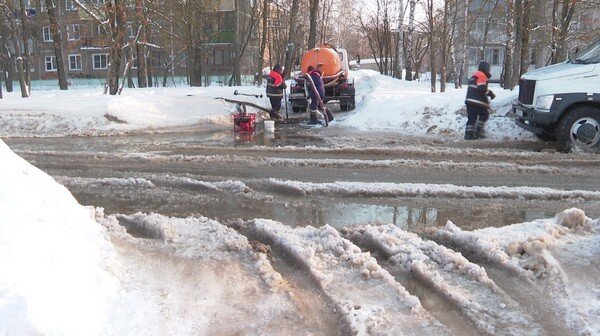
(561, 102)
(341, 89)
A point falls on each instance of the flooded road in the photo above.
(309, 192)
(184, 167)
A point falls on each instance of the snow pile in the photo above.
(376, 303)
(383, 104)
(545, 252)
(388, 104)
(57, 264)
(462, 283)
(199, 237)
(192, 275)
(366, 189)
(89, 112)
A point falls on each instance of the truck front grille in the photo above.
(526, 90)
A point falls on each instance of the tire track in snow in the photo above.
(371, 300)
(269, 307)
(526, 250)
(449, 274)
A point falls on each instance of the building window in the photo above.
(50, 63)
(70, 5)
(101, 30)
(473, 59)
(75, 62)
(47, 34)
(493, 56)
(100, 61)
(73, 32)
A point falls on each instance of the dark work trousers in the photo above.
(477, 113)
(275, 103)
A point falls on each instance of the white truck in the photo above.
(561, 102)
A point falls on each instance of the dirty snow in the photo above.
(366, 189)
(464, 284)
(383, 104)
(371, 299)
(544, 251)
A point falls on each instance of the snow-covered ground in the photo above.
(383, 104)
(72, 270)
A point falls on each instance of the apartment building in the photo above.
(86, 42)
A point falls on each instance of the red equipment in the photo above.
(244, 122)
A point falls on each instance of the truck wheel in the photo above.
(580, 128)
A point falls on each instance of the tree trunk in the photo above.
(195, 66)
(312, 31)
(142, 40)
(57, 44)
(290, 47)
(409, 42)
(22, 79)
(525, 59)
(263, 41)
(399, 57)
(465, 40)
(565, 22)
(508, 52)
(26, 55)
(518, 40)
(116, 18)
(444, 47)
(431, 38)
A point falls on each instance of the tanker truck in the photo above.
(339, 84)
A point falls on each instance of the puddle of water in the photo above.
(284, 135)
(316, 211)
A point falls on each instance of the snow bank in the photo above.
(383, 104)
(370, 298)
(462, 283)
(366, 189)
(89, 112)
(57, 264)
(544, 251)
(388, 104)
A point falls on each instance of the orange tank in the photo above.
(324, 54)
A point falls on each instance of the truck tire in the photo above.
(580, 128)
(546, 135)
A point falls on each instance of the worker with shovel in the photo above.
(275, 87)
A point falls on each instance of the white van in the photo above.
(561, 102)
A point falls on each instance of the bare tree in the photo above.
(290, 45)
(409, 37)
(399, 56)
(53, 17)
(508, 78)
(431, 42)
(312, 31)
(560, 29)
(140, 46)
